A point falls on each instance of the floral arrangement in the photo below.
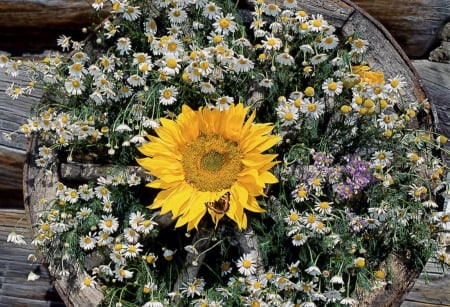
(280, 168)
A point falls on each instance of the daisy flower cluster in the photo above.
(285, 170)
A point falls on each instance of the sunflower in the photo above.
(209, 161)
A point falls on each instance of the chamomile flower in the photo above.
(242, 64)
(332, 88)
(387, 121)
(293, 269)
(103, 238)
(102, 193)
(77, 70)
(224, 24)
(177, 15)
(109, 224)
(88, 242)
(207, 88)
(136, 219)
(293, 217)
(313, 108)
(168, 95)
(359, 45)
(83, 213)
(121, 273)
(271, 9)
(131, 235)
(329, 42)
(313, 270)
(168, 254)
(211, 10)
(301, 193)
(225, 268)
(15, 238)
(382, 157)
(132, 250)
(88, 282)
(193, 287)
(266, 82)
(224, 102)
(71, 195)
(317, 23)
(74, 86)
(299, 238)
(64, 42)
(123, 45)
(323, 207)
(272, 43)
(285, 59)
(247, 264)
(288, 114)
(319, 58)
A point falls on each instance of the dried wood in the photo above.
(415, 24)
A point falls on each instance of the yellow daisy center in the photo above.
(332, 86)
(247, 263)
(224, 23)
(211, 163)
(317, 23)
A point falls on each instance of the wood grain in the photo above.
(415, 24)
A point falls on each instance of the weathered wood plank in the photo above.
(415, 24)
(15, 290)
(31, 25)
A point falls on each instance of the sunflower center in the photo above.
(211, 163)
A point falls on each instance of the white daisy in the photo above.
(168, 95)
(207, 88)
(136, 80)
(313, 108)
(247, 264)
(88, 242)
(319, 58)
(131, 235)
(211, 10)
(74, 86)
(243, 64)
(177, 15)
(272, 43)
(224, 102)
(121, 274)
(332, 88)
(102, 193)
(272, 9)
(146, 226)
(298, 239)
(15, 238)
(317, 23)
(285, 59)
(123, 45)
(109, 224)
(133, 250)
(224, 24)
(329, 42)
(288, 114)
(131, 13)
(83, 213)
(359, 45)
